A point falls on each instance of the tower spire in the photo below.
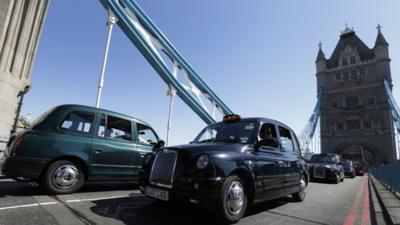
(321, 55)
(380, 40)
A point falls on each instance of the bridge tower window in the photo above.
(352, 124)
(352, 101)
(354, 75)
(344, 62)
(371, 100)
(339, 126)
(353, 60)
(367, 124)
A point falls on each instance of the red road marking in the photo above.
(351, 217)
(365, 218)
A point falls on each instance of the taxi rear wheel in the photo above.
(62, 177)
(233, 200)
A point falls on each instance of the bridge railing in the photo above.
(389, 175)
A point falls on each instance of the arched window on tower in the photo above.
(352, 101)
(344, 61)
(353, 60)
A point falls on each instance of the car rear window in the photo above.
(78, 121)
(41, 118)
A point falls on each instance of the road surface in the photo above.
(121, 203)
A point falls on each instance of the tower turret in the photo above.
(321, 60)
(381, 46)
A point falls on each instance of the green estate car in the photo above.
(71, 144)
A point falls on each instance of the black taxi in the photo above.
(228, 166)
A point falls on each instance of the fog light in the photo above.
(194, 201)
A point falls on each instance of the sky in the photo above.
(258, 56)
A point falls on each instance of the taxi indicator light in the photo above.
(231, 118)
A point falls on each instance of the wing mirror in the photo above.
(268, 142)
(159, 144)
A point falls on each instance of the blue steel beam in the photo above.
(165, 59)
(393, 105)
(308, 132)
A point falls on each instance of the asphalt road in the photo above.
(121, 203)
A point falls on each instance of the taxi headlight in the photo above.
(202, 162)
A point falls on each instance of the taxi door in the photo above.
(269, 168)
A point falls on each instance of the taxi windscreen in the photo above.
(238, 132)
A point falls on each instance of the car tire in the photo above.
(337, 179)
(63, 177)
(233, 200)
(301, 194)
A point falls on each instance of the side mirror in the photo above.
(160, 144)
(268, 142)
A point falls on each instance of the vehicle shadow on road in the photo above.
(139, 209)
(13, 188)
(322, 181)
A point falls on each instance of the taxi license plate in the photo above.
(157, 193)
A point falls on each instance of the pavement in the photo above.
(388, 201)
(23, 203)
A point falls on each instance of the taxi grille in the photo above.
(162, 172)
(319, 172)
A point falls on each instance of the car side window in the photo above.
(296, 143)
(146, 135)
(286, 139)
(268, 131)
(208, 135)
(78, 121)
(115, 128)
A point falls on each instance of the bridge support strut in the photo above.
(110, 23)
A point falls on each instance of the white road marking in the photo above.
(68, 201)
(96, 199)
(28, 205)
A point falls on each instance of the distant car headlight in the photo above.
(330, 166)
(202, 161)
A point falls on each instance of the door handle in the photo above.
(98, 150)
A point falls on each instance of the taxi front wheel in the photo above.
(63, 177)
(301, 194)
(233, 200)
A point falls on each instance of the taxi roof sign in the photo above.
(231, 118)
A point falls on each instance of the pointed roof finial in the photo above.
(379, 27)
(347, 30)
(380, 40)
(321, 55)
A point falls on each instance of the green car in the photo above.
(71, 144)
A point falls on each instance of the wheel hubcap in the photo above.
(66, 176)
(235, 198)
(303, 186)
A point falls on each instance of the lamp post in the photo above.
(110, 23)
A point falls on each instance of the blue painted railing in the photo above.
(389, 175)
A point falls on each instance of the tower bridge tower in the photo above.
(21, 23)
(355, 113)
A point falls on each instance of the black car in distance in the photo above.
(229, 165)
(349, 169)
(326, 166)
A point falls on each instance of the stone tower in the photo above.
(355, 113)
(21, 23)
